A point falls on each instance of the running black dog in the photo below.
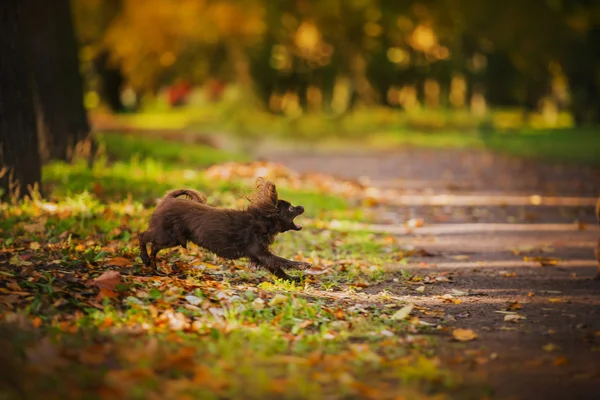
(228, 233)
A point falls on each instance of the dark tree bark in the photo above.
(110, 83)
(19, 154)
(58, 86)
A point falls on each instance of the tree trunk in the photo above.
(58, 86)
(19, 154)
(110, 83)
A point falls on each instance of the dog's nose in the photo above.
(301, 209)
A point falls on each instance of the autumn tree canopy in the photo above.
(452, 53)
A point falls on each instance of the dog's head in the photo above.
(267, 201)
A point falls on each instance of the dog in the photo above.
(230, 234)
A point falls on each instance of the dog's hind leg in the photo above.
(143, 239)
(155, 249)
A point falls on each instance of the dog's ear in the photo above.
(270, 192)
(265, 197)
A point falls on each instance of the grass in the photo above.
(211, 329)
(81, 317)
(505, 131)
(123, 147)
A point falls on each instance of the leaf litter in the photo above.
(103, 323)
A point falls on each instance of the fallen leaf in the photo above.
(193, 300)
(278, 299)
(118, 262)
(403, 312)
(521, 249)
(415, 223)
(420, 289)
(513, 306)
(317, 271)
(464, 335)
(359, 285)
(258, 304)
(543, 261)
(459, 292)
(558, 361)
(555, 300)
(35, 228)
(34, 246)
(535, 199)
(513, 318)
(108, 280)
(17, 261)
(550, 347)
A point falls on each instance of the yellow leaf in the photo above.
(464, 335)
(17, 261)
(403, 312)
(34, 246)
(543, 261)
(278, 299)
(550, 347)
(555, 300)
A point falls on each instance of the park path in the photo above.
(486, 219)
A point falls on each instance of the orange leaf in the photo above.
(558, 361)
(104, 292)
(464, 335)
(119, 262)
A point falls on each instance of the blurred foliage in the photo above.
(334, 55)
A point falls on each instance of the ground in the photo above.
(482, 250)
(446, 274)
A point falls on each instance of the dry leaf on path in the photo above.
(403, 312)
(464, 335)
(513, 317)
(550, 347)
(543, 261)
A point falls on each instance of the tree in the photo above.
(19, 154)
(57, 83)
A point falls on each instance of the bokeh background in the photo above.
(517, 77)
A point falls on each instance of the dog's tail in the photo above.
(191, 193)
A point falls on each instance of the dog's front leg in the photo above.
(275, 264)
(285, 263)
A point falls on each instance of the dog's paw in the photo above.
(301, 265)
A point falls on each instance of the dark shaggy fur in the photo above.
(228, 233)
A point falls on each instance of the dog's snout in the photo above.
(300, 209)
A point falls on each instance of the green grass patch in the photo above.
(211, 328)
(509, 131)
(124, 147)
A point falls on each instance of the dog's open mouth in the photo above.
(295, 226)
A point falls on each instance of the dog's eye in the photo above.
(291, 209)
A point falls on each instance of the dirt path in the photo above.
(483, 262)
